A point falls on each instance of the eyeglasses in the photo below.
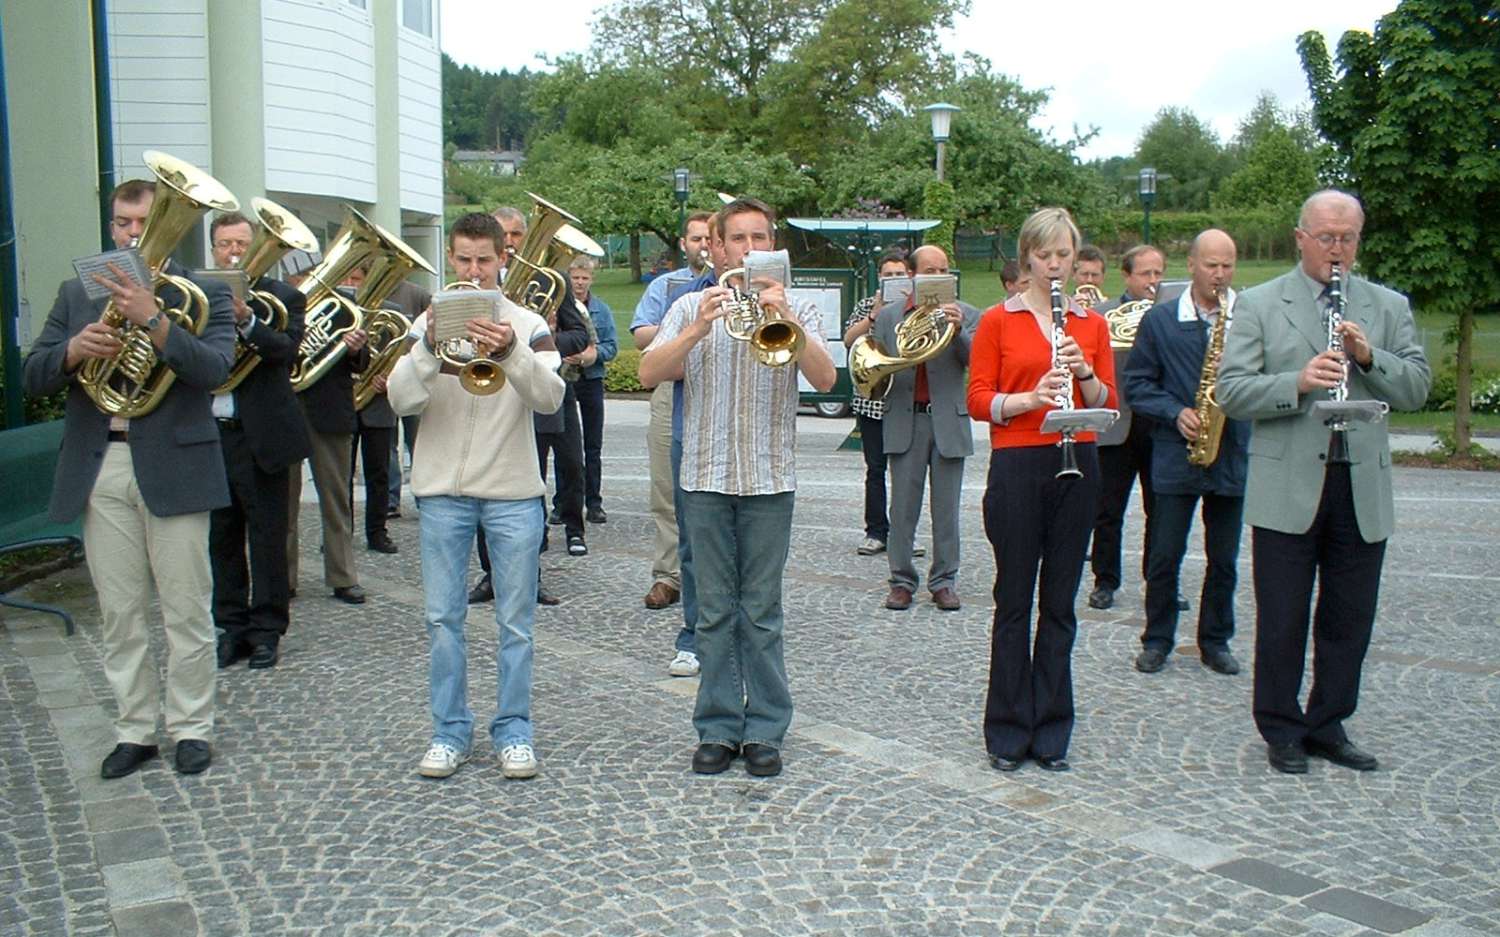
(1328, 240)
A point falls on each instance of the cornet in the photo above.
(777, 342)
(478, 373)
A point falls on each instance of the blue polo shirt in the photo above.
(658, 298)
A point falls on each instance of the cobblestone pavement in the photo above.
(887, 820)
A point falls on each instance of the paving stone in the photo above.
(120, 814)
(142, 882)
(1268, 877)
(164, 919)
(1368, 910)
(1189, 850)
(130, 845)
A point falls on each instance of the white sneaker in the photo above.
(870, 546)
(685, 664)
(441, 761)
(518, 761)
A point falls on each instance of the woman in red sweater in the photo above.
(1033, 519)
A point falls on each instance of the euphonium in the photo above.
(1204, 448)
(330, 314)
(529, 281)
(920, 337)
(777, 342)
(280, 231)
(387, 328)
(477, 373)
(134, 381)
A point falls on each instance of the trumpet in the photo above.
(777, 342)
(478, 373)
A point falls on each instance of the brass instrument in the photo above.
(920, 337)
(134, 381)
(387, 329)
(322, 335)
(530, 281)
(777, 342)
(1125, 319)
(1064, 400)
(280, 231)
(1088, 296)
(1203, 449)
(478, 374)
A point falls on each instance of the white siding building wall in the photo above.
(158, 57)
(319, 90)
(421, 123)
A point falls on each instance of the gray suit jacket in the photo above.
(1277, 329)
(179, 465)
(946, 384)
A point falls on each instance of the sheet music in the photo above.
(768, 265)
(128, 259)
(935, 289)
(895, 289)
(233, 277)
(452, 309)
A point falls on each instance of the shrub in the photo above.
(622, 374)
(1484, 390)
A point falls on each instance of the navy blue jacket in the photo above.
(1161, 377)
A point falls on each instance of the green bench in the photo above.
(28, 458)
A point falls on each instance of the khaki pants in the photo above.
(129, 549)
(659, 445)
(331, 470)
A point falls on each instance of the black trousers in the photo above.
(1119, 466)
(1171, 519)
(872, 441)
(1037, 524)
(375, 441)
(567, 498)
(251, 611)
(590, 391)
(1347, 570)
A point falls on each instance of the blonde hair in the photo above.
(1043, 227)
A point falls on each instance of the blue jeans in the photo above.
(740, 546)
(686, 640)
(514, 532)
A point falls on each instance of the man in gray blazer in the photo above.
(927, 427)
(145, 487)
(1314, 516)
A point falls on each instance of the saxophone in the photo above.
(1204, 448)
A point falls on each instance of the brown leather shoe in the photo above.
(899, 600)
(946, 599)
(661, 595)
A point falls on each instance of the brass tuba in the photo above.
(280, 231)
(1204, 448)
(530, 281)
(777, 342)
(920, 337)
(134, 381)
(330, 314)
(387, 328)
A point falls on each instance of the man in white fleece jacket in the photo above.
(475, 465)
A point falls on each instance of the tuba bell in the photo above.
(134, 381)
(777, 342)
(387, 328)
(920, 337)
(280, 231)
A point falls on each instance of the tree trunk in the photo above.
(635, 257)
(1462, 393)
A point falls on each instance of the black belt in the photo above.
(921, 407)
(119, 435)
(230, 423)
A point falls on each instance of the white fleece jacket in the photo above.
(472, 446)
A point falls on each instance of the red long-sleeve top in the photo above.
(1010, 354)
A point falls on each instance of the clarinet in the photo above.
(1338, 449)
(1064, 400)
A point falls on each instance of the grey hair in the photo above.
(505, 213)
(1321, 196)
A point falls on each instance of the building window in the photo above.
(359, 3)
(416, 15)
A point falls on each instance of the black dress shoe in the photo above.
(125, 759)
(381, 543)
(554, 519)
(1102, 598)
(543, 597)
(193, 756)
(713, 758)
(264, 657)
(483, 591)
(763, 761)
(1053, 763)
(1221, 661)
(1002, 763)
(292, 592)
(1150, 660)
(1344, 753)
(1288, 758)
(596, 516)
(354, 595)
(229, 651)
(1182, 603)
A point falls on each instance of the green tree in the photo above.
(1185, 151)
(1278, 172)
(1414, 114)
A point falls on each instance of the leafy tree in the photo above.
(482, 109)
(1187, 152)
(1415, 116)
(1278, 172)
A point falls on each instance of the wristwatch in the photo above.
(153, 322)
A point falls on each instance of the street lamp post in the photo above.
(942, 116)
(1147, 193)
(680, 179)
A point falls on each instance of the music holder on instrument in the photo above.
(1333, 412)
(1092, 419)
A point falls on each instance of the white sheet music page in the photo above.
(452, 309)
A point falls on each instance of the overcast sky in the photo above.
(1123, 61)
